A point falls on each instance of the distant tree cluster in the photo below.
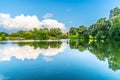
(3, 35)
(35, 34)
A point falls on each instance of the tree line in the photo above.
(41, 45)
(103, 29)
(34, 34)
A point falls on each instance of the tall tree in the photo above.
(73, 31)
(55, 32)
(114, 30)
(114, 12)
(83, 30)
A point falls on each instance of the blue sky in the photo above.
(69, 12)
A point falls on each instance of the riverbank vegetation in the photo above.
(104, 28)
(34, 34)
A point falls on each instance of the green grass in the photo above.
(73, 37)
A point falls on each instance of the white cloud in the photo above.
(23, 22)
(47, 15)
(50, 23)
(28, 52)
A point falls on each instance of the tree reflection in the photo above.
(45, 44)
(108, 49)
(82, 45)
(3, 42)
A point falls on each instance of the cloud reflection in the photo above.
(28, 52)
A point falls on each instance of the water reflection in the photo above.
(103, 50)
(107, 50)
(31, 50)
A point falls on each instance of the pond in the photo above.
(59, 60)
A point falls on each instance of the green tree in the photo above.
(100, 28)
(83, 31)
(27, 35)
(56, 33)
(93, 30)
(114, 12)
(35, 34)
(73, 31)
(114, 30)
(1, 33)
(14, 34)
(43, 34)
(3, 37)
(20, 33)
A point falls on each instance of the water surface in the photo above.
(59, 60)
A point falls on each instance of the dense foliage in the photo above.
(108, 50)
(37, 34)
(3, 35)
(103, 29)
